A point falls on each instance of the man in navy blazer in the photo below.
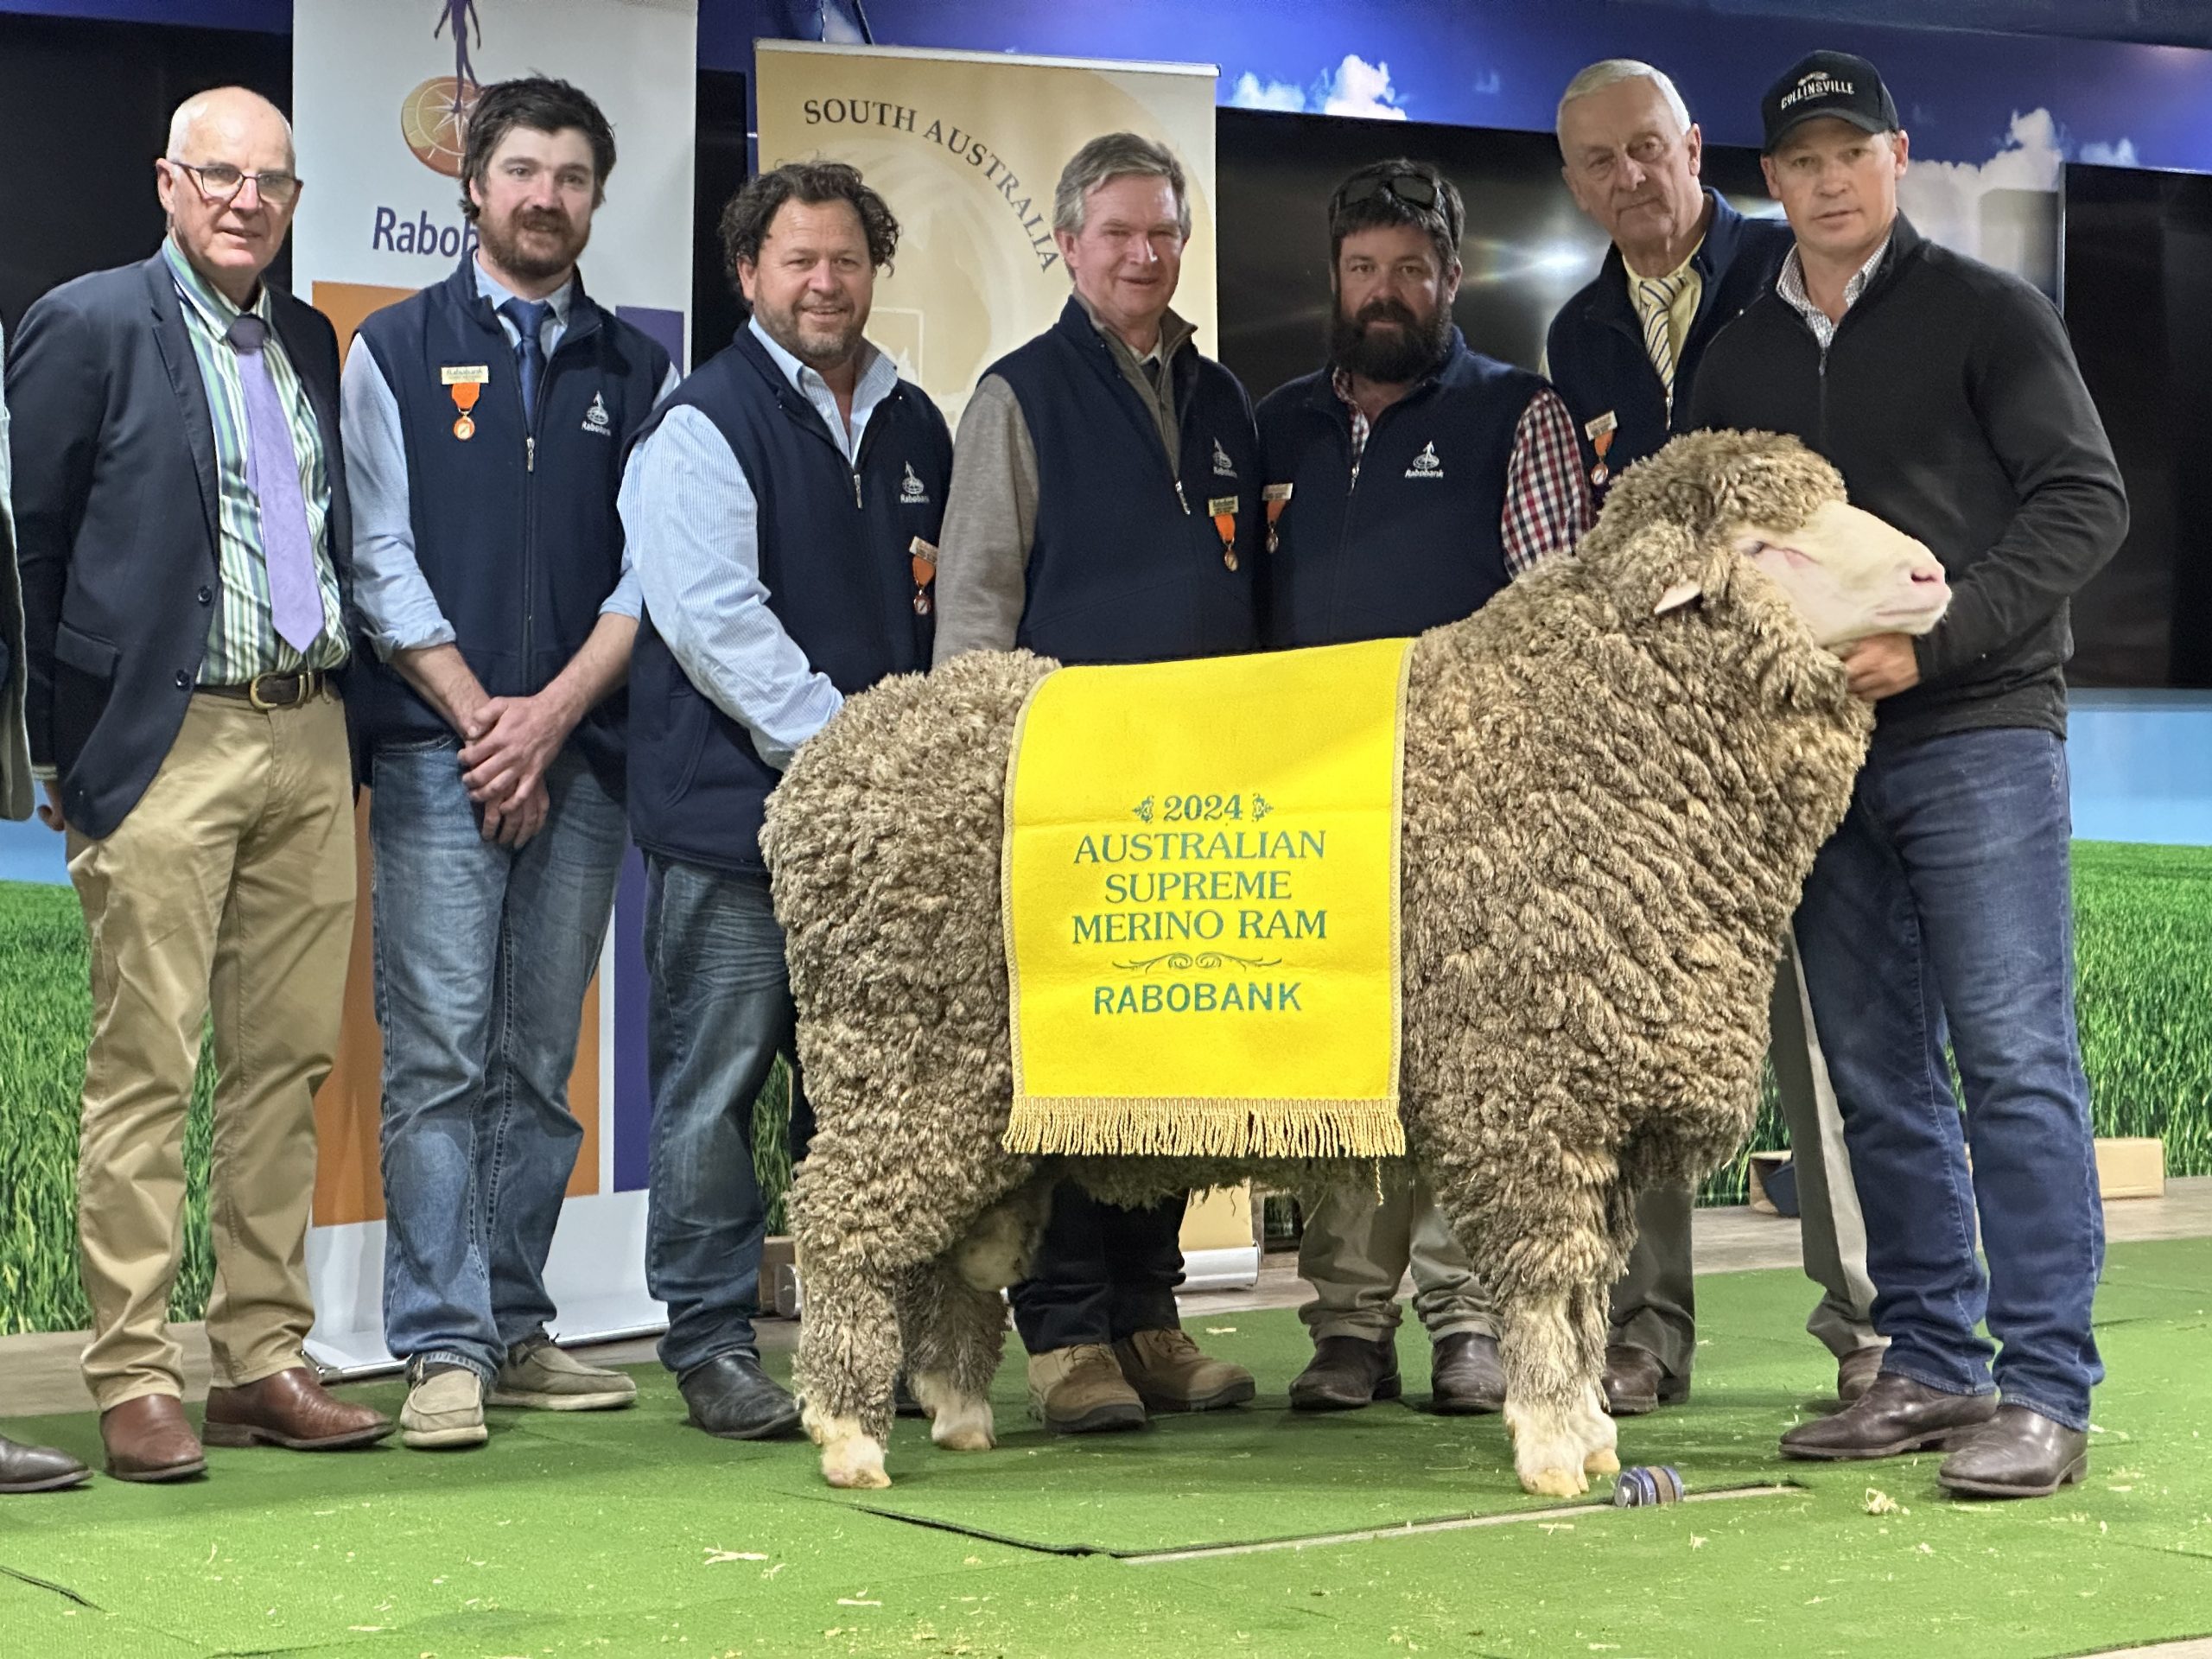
(181, 517)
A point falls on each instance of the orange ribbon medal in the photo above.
(922, 556)
(466, 382)
(1224, 509)
(1601, 433)
(1277, 497)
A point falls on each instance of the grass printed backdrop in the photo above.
(2142, 951)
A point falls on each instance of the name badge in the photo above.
(465, 374)
(1596, 430)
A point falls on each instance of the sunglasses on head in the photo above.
(1414, 189)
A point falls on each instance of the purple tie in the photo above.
(273, 472)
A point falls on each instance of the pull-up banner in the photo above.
(384, 93)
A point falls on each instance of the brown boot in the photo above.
(1636, 1382)
(1170, 1374)
(147, 1439)
(38, 1468)
(1081, 1390)
(1856, 1372)
(291, 1409)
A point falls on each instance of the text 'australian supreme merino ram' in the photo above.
(1616, 774)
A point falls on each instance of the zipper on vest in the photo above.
(1181, 499)
(530, 453)
(857, 502)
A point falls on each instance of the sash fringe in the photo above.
(1077, 1126)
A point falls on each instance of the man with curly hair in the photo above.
(782, 509)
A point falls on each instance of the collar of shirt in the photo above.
(557, 318)
(879, 375)
(1340, 383)
(1791, 284)
(214, 307)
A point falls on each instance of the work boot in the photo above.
(1169, 1373)
(542, 1377)
(1466, 1376)
(1347, 1373)
(1081, 1390)
(1636, 1382)
(444, 1409)
(1856, 1372)
(1895, 1416)
(2017, 1453)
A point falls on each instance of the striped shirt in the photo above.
(242, 638)
(1547, 500)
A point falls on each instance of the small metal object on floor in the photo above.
(1635, 1488)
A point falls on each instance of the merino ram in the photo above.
(1616, 775)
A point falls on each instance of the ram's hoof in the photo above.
(1601, 1462)
(1554, 1483)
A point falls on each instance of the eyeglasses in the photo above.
(220, 182)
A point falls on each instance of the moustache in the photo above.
(553, 222)
(1386, 310)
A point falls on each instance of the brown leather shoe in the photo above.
(1347, 1373)
(1856, 1372)
(1636, 1382)
(147, 1439)
(1467, 1376)
(1896, 1415)
(38, 1468)
(291, 1409)
(2017, 1453)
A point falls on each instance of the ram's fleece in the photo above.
(1612, 799)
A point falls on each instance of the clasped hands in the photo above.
(507, 743)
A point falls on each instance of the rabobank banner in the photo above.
(383, 93)
(966, 147)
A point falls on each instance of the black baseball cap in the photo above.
(1826, 83)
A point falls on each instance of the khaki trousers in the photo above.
(229, 889)
(1356, 1249)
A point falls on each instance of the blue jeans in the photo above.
(1944, 901)
(720, 1012)
(483, 955)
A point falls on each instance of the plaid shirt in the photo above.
(1547, 498)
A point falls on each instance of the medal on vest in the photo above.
(1224, 509)
(923, 557)
(1276, 497)
(1601, 433)
(466, 381)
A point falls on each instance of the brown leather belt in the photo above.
(274, 691)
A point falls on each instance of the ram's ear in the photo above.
(1682, 594)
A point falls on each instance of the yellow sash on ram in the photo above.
(1200, 887)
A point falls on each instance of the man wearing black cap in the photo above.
(1946, 395)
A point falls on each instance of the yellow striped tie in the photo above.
(1658, 294)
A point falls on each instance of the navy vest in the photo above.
(515, 530)
(835, 556)
(1415, 542)
(1595, 350)
(1128, 563)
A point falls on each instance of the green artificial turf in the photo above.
(622, 1533)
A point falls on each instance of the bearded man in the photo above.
(1408, 479)
(486, 421)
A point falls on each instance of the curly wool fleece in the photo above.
(1609, 815)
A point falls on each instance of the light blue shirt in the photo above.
(693, 527)
(396, 602)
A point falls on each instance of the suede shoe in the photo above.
(1170, 1374)
(1856, 1372)
(733, 1399)
(1347, 1373)
(38, 1468)
(1466, 1376)
(2019, 1452)
(1636, 1382)
(1081, 1390)
(1894, 1416)
(290, 1408)
(147, 1439)
(444, 1410)
(541, 1377)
